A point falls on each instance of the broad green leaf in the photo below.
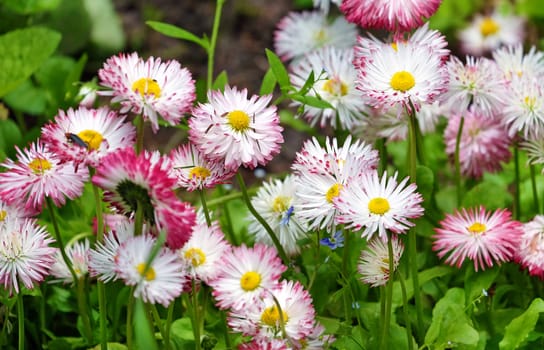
(269, 83)
(183, 329)
(425, 182)
(220, 82)
(424, 277)
(480, 195)
(518, 330)
(280, 72)
(106, 27)
(143, 335)
(10, 135)
(24, 51)
(27, 98)
(477, 282)
(308, 84)
(52, 77)
(26, 7)
(178, 33)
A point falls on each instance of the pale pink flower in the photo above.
(530, 253)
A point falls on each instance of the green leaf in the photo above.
(477, 282)
(518, 330)
(178, 33)
(27, 7)
(424, 277)
(479, 195)
(220, 82)
(530, 8)
(106, 27)
(10, 135)
(280, 72)
(27, 98)
(309, 83)
(311, 101)
(24, 51)
(425, 182)
(269, 83)
(52, 76)
(143, 336)
(287, 118)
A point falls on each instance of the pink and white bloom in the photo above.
(86, 135)
(160, 282)
(236, 130)
(78, 255)
(513, 62)
(202, 255)
(300, 33)
(39, 173)
(391, 15)
(485, 237)
(194, 171)
(524, 107)
(263, 318)
(487, 33)
(244, 274)
(145, 180)
(373, 263)
(484, 143)
(377, 205)
(152, 88)
(530, 253)
(25, 254)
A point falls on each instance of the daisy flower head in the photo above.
(78, 255)
(322, 172)
(535, 150)
(264, 319)
(402, 75)
(391, 15)
(40, 173)
(479, 82)
(203, 253)
(25, 254)
(266, 344)
(152, 88)
(274, 202)
(334, 83)
(194, 171)
(13, 211)
(485, 237)
(375, 205)
(374, 261)
(530, 253)
(524, 107)
(104, 256)
(131, 181)
(243, 275)
(236, 130)
(513, 62)
(489, 32)
(159, 282)
(299, 33)
(86, 135)
(484, 143)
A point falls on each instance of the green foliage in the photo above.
(480, 195)
(26, 7)
(178, 33)
(269, 83)
(279, 70)
(221, 81)
(143, 336)
(106, 30)
(518, 330)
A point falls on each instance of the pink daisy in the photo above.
(39, 173)
(236, 130)
(145, 180)
(530, 253)
(391, 15)
(78, 255)
(485, 237)
(150, 87)
(484, 143)
(25, 254)
(86, 135)
(244, 274)
(194, 171)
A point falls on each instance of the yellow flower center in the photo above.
(489, 27)
(238, 120)
(199, 172)
(3, 215)
(530, 102)
(271, 316)
(196, 256)
(250, 281)
(92, 138)
(378, 206)
(402, 81)
(335, 87)
(39, 165)
(320, 36)
(281, 204)
(395, 46)
(147, 86)
(477, 228)
(333, 192)
(149, 274)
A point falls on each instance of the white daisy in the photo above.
(524, 107)
(78, 255)
(373, 263)
(512, 61)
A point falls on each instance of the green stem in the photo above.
(345, 258)
(517, 209)
(21, 320)
(196, 314)
(406, 313)
(388, 297)
(213, 42)
(58, 237)
(536, 207)
(168, 325)
(228, 342)
(139, 220)
(229, 232)
(228, 197)
(382, 151)
(277, 244)
(458, 179)
(83, 309)
(205, 207)
(152, 309)
(130, 319)
(412, 239)
(419, 143)
(139, 121)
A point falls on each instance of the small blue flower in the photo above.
(336, 241)
(285, 220)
